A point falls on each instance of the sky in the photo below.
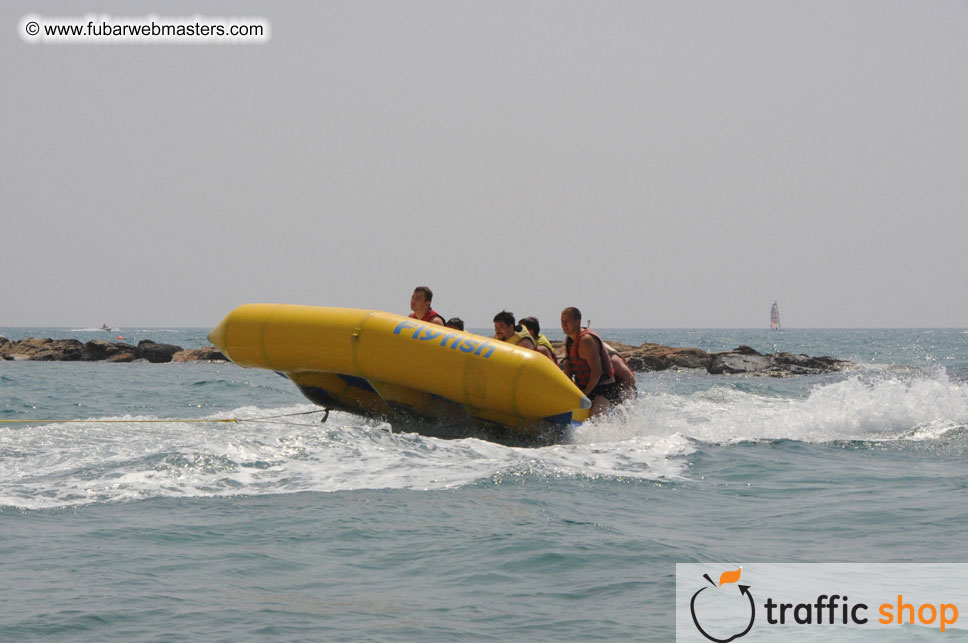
(658, 164)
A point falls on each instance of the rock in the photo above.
(734, 363)
(742, 349)
(806, 365)
(652, 357)
(99, 349)
(124, 357)
(46, 349)
(156, 353)
(655, 357)
(43, 350)
(742, 360)
(206, 353)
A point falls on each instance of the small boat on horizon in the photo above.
(106, 327)
(774, 317)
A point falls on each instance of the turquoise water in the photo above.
(282, 528)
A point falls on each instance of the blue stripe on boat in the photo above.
(561, 418)
(358, 382)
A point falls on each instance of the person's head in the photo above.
(571, 321)
(420, 299)
(531, 323)
(504, 325)
(456, 323)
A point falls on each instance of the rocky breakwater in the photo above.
(742, 360)
(647, 357)
(72, 350)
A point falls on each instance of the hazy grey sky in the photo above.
(657, 164)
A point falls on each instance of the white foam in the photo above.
(874, 405)
(69, 464)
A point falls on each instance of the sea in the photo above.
(207, 502)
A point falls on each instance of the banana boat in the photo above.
(381, 365)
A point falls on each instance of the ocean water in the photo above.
(276, 526)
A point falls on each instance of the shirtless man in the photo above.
(420, 305)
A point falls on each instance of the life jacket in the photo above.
(516, 338)
(431, 313)
(580, 368)
(543, 341)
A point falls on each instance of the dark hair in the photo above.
(505, 318)
(573, 312)
(531, 323)
(427, 292)
(456, 323)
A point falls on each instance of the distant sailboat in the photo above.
(775, 317)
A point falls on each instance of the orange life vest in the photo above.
(580, 368)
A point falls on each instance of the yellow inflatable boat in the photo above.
(387, 366)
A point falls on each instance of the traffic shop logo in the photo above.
(701, 599)
(726, 611)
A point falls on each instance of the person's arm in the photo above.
(588, 351)
(526, 343)
(437, 320)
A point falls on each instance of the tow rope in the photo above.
(325, 411)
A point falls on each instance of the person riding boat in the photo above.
(542, 345)
(624, 374)
(588, 363)
(420, 305)
(507, 331)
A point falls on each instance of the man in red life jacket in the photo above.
(588, 363)
(420, 305)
